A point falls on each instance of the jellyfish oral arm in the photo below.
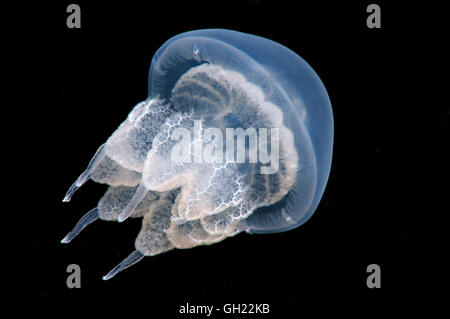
(133, 258)
(98, 157)
(87, 219)
(137, 198)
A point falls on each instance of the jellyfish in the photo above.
(236, 134)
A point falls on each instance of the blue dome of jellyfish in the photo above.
(236, 135)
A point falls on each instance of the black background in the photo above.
(385, 193)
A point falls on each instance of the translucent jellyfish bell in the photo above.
(236, 134)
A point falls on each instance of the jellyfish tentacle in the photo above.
(98, 157)
(87, 219)
(141, 192)
(133, 258)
